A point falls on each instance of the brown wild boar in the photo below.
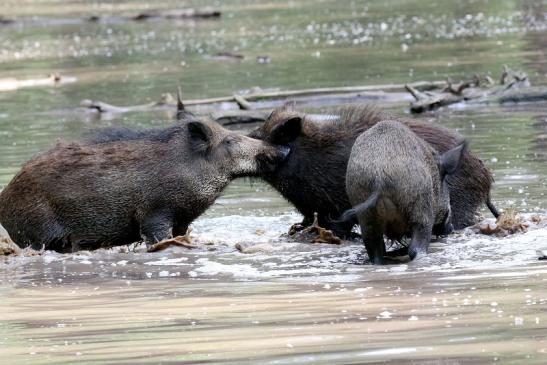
(123, 186)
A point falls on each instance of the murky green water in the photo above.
(475, 299)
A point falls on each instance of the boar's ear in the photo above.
(200, 135)
(450, 161)
(287, 130)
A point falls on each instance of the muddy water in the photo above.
(475, 299)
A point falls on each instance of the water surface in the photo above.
(475, 299)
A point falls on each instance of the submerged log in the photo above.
(514, 87)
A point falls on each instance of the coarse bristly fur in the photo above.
(313, 176)
(396, 183)
(121, 186)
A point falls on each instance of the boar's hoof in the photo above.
(184, 241)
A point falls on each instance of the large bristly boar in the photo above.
(312, 178)
(396, 183)
(123, 186)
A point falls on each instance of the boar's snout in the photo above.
(272, 157)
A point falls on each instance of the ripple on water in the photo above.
(464, 255)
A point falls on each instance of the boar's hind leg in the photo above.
(156, 227)
(419, 243)
(373, 237)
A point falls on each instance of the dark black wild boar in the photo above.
(312, 178)
(121, 186)
(396, 183)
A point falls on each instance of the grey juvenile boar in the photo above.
(122, 186)
(396, 183)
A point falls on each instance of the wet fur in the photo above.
(313, 176)
(395, 180)
(121, 185)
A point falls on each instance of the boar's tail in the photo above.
(357, 210)
(492, 207)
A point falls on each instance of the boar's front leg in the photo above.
(156, 227)
(419, 243)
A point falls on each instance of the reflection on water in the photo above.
(475, 299)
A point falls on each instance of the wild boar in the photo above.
(121, 186)
(396, 183)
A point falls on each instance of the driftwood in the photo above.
(54, 79)
(314, 233)
(256, 106)
(514, 87)
(180, 241)
(242, 102)
(226, 56)
(178, 14)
